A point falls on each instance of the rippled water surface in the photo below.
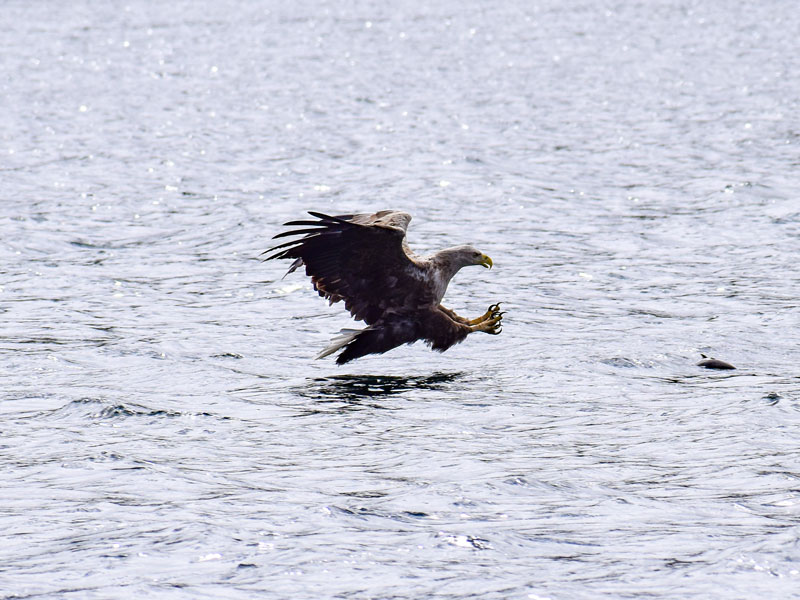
(632, 168)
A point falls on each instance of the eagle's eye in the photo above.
(476, 254)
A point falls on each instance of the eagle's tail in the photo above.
(340, 341)
(375, 339)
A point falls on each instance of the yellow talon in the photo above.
(492, 312)
(491, 325)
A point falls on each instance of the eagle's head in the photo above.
(464, 256)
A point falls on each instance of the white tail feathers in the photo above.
(297, 263)
(340, 341)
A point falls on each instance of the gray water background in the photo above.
(632, 168)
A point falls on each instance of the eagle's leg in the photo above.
(491, 325)
(488, 323)
(493, 311)
(452, 314)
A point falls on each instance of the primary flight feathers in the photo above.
(363, 259)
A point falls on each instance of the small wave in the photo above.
(95, 409)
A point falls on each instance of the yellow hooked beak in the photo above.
(486, 261)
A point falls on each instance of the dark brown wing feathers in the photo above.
(356, 258)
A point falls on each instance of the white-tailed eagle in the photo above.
(364, 260)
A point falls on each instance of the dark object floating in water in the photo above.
(713, 363)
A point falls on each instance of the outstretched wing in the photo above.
(361, 259)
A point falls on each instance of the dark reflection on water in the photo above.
(357, 387)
